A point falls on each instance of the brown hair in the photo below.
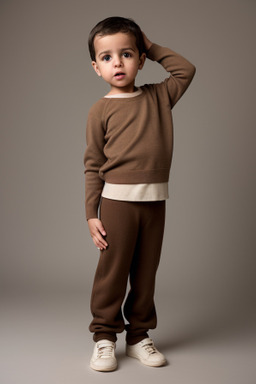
(112, 25)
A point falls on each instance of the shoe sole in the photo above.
(102, 369)
(145, 362)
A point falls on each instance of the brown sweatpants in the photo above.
(134, 235)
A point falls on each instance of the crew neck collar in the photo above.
(124, 95)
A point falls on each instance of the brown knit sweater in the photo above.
(130, 140)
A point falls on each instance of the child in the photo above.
(127, 162)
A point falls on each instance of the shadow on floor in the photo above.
(204, 329)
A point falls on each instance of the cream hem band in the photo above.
(136, 192)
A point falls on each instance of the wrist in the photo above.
(148, 45)
(149, 49)
(147, 42)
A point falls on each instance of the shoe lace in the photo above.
(105, 351)
(150, 348)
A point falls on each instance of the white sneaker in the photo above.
(146, 352)
(103, 358)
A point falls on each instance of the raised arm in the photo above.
(180, 69)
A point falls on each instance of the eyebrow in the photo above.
(109, 51)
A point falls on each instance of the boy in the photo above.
(127, 162)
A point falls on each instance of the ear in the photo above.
(142, 60)
(96, 68)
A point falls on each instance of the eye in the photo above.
(127, 54)
(106, 58)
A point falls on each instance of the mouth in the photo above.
(119, 75)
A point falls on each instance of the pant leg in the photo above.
(139, 308)
(121, 223)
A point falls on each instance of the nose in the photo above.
(117, 61)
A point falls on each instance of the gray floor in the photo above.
(44, 339)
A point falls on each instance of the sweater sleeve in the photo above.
(181, 70)
(93, 159)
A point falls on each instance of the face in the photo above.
(117, 61)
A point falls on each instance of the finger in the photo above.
(100, 247)
(101, 229)
(100, 242)
(100, 235)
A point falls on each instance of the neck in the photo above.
(115, 91)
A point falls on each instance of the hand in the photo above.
(147, 42)
(97, 232)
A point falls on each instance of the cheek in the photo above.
(134, 67)
(104, 72)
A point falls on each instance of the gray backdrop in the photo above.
(47, 88)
